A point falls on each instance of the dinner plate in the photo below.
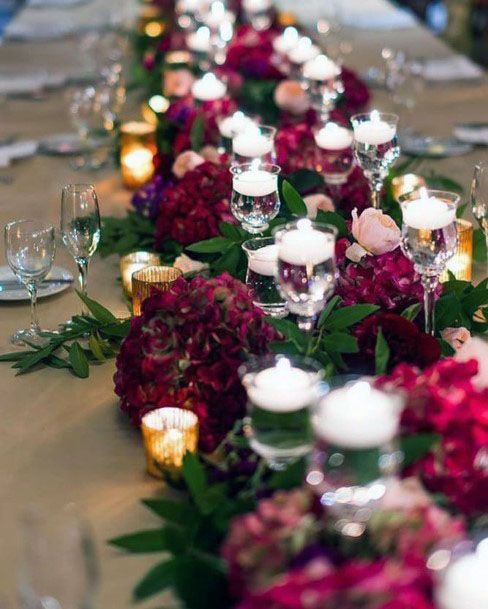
(20, 293)
(433, 147)
(63, 144)
(472, 133)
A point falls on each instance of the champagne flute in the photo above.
(479, 197)
(30, 246)
(80, 226)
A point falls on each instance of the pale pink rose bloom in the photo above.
(211, 154)
(290, 96)
(186, 161)
(456, 337)
(318, 202)
(375, 231)
(177, 83)
(476, 348)
(187, 265)
(404, 495)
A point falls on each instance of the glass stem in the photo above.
(34, 324)
(376, 188)
(429, 283)
(306, 324)
(83, 278)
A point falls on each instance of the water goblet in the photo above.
(30, 246)
(281, 392)
(80, 226)
(376, 148)
(255, 197)
(334, 153)
(321, 77)
(479, 197)
(262, 256)
(255, 142)
(429, 239)
(306, 270)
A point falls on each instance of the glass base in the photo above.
(28, 337)
(277, 311)
(279, 459)
(253, 230)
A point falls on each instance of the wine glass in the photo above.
(479, 196)
(30, 246)
(376, 148)
(429, 239)
(306, 270)
(58, 565)
(80, 225)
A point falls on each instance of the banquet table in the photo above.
(62, 438)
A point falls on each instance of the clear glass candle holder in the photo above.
(334, 154)
(306, 270)
(281, 392)
(376, 148)
(255, 197)
(168, 434)
(461, 264)
(429, 239)
(133, 262)
(230, 127)
(355, 452)
(151, 278)
(258, 13)
(256, 143)
(321, 78)
(262, 258)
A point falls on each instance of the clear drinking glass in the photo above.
(376, 148)
(429, 239)
(80, 225)
(255, 197)
(256, 142)
(479, 196)
(355, 452)
(306, 270)
(58, 568)
(30, 246)
(262, 257)
(281, 393)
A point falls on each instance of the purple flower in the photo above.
(147, 199)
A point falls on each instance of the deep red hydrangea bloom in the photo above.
(251, 54)
(406, 342)
(185, 349)
(356, 93)
(388, 280)
(444, 400)
(192, 210)
(295, 148)
(354, 194)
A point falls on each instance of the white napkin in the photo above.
(17, 150)
(374, 15)
(457, 67)
(471, 135)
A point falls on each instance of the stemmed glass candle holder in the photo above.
(208, 88)
(30, 246)
(130, 263)
(355, 452)
(334, 153)
(149, 279)
(299, 54)
(376, 148)
(258, 13)
(199, 44)
(479, 197)
(281, 392)
(230, 127)
(306, 270)
(262, 257)
(221, 25)
(322, 79)
(286, 41)
(255, 197)
(255, 142)
(188, 13)
(429, 239)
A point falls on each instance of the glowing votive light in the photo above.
(305, 245)
(333, 137)
(137, 167)
(289, 39)
(251, 143)
(404, 185)
(375, 131)
(321, 68)
(218, 15)
(461, 264)
(428, 213)
(264, 260)
(230, 126)
(255, 183)
(199, 41)
(304, 51)
(208, 88)
(168, 434)
(131, 263)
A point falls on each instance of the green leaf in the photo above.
(96, 349)
(293, 200)
(195, 477)
(98, 311)
(305, 180)
(37, 356)
(79, 361)
(441, 182)
(285, 347)
(229, 261)
(156, 540)
(197, 133)
(14, 356)
(417, 446)
(289, 478)
(117, 330)
(210, 246)
(172, 511)
(159, 578)
(289, 330)
(480, 252)
(331, 305)
(381, 353)
(232, 232)
(345, 317)
(412, 311)
(201, 582)
(460, 210)
(340, 342)
(334, 219)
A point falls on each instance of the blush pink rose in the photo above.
(456, 337)
(318, 202)
(290, 96)
(177, 83)
(476, 348)
(375, 231)
(211, 154)
(186, 161)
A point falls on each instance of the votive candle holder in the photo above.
(461, 264)
(133, 262)
(160, 278)
(137, 149)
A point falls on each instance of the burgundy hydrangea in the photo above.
(251, 54)
(185, 349)
(192, 210)
(356, 93)
(444, 400)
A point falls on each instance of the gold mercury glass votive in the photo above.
(404, 185)
(151, 21)
(168, 433)
(137, 149)
(154, 108)
(131, 263)
(461, 264)
(143, 282)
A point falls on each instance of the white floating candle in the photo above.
(218, 15)
(287, 40)
(252, 144)
(357, 417)
(333, 137)
(465, 583)
(303, 51)
(305, 245)
(199, 41)
(282, 388)
(191, 6)
(375, 131)
(264, 260)
(208, 88)
(255, 183)
(230, 126)
(321, 68)
(428, 213)
(257, 6)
